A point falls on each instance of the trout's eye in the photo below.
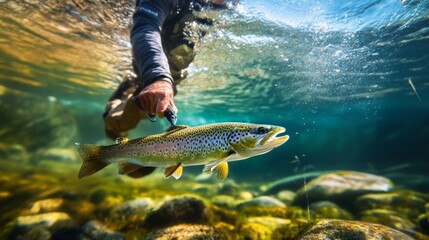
(262, 130)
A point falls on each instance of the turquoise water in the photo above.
(335, 74)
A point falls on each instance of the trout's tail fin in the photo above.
(92, 162)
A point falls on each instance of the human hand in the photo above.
(156, 97)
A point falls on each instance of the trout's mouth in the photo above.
(272, 140)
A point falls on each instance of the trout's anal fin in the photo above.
(125, 168)
(173, 170)
(176, 128)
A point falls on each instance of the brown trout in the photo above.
(212, 145)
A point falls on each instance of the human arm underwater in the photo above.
(152, 64)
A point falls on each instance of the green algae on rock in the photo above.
(182, 209)
(341, 229)
(286, 196)
(187, 232)
(224, 201)
(130, 213)
(266, 227)
(407, 203)
(47, 205)
(40, 226)
(326, 209)
(389, 218)
(262, 201)
(96, 230)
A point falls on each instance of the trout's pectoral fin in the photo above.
(125, 168)
(219, 169)
(173, 170)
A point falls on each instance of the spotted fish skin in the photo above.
(211, 145)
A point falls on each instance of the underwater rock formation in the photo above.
(389, 218)
(262, 201)
(95, 230)
(341, 229)
(40, 226)
(184, 209)
(131, 212)
(342, 187)
(325, 209)
(408, 203)
(109, 207)
(265, 227)
(187, 232)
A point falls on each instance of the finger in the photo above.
(162, 107)
(145, 103)
(153, 105)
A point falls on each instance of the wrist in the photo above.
(166, 82)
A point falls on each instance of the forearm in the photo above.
(151, 61)
(152, 64)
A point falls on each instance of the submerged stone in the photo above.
(187, 232)
(389, 218)
(291, 182)
(95, 230)
(427, 209)
(286, 196)
(224, 201)
(47, 205)
(263, 227)
(45, 219)
(424, 224)
(40, 226)
(34, 233)
(244, 195)
(134, 207)
(325, 209)
(133, 211)
(184, 209)
(342, 187)
(342, 229)
(262, 201)
(407, 203)
(229, 187)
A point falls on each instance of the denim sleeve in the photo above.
(151, 61)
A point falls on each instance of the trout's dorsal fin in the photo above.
(176, 128)
(173, 170)
(121, 140)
